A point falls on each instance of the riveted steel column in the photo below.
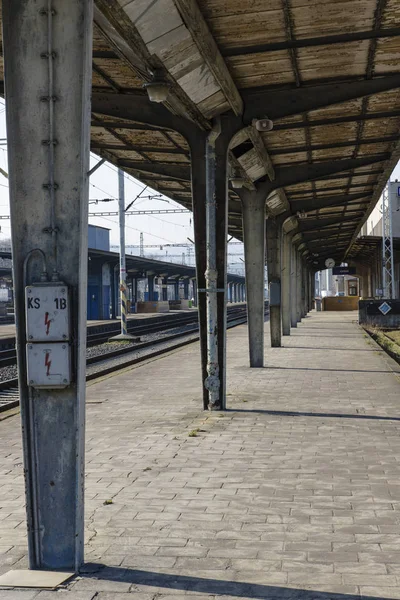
(311, 292)
(303, 299)
(186, 289)
(47, 52)
(274, 236)
(293, 287)
(209, 180)
(253, 213)
(286, 282)
(198, 175)
(298, 285)
(164, 289)
(150, 287)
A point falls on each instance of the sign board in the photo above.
(343, 271)
(47, 313)
(48, 365)
(385, 308)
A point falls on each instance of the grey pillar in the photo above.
(194, 287)
(307, 288)
(298, 286)
(165, 289)
(150, 287)
(293, 287)
(176, 289)
(286, 282)
(253, 213)
(48, 122)
(311, 278)
(274, 236)
(215, 175)
(186, 289)
(303, 300)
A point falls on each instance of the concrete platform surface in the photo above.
(293, 492)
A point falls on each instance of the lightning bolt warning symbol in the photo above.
(47, 363)
(47, 322)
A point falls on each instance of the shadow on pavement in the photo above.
(216, 587)
(289, 413)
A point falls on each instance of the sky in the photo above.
(157, 229)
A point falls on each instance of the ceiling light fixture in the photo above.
(157, 89)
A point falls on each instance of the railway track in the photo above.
(8, 353)
(115, 360)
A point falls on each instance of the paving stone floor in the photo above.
(292, 493)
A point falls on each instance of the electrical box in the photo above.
(47, 313)
(48, 365)
(48, 353)
(274, 293)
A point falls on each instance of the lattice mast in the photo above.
(387, 244)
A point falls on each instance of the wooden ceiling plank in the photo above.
(198, 28)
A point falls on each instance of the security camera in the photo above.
(263, 124)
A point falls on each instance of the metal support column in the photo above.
(253, 214)
(122, 261)
(150, 287)
(387, 243)
(306, 289)
(274, 236)
(212, 185)
(186, 289)
(47, 54)
(194, 287)
(176, 289)
(311, 296)
(303, 300)
(165, 289)
(298, 285)
(293, 287)
(286, 282)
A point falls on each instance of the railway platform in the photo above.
(292, 492)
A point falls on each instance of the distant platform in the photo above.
(8, 330)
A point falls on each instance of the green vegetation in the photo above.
(388, 340)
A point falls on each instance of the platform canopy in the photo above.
(326, 73)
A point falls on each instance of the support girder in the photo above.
(137, 148)
(274, 103)
(338, 120)
(311, 238)
(308, 204)
(333, 145)
(140, 109)
(286, 176)
(283, 103)
(166, 170)
(341, 38)
(322, 223)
